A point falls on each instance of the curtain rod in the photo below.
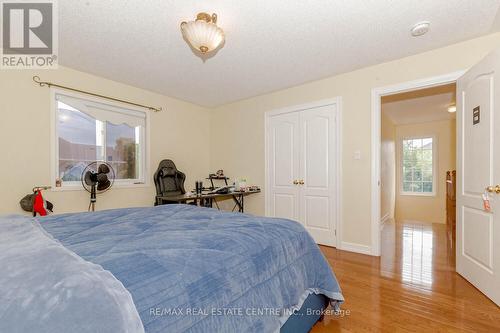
(50, 84)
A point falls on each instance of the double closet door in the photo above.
(302, 169)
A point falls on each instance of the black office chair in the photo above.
(168, 181)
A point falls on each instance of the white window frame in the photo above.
(434, 165)
(144, 179)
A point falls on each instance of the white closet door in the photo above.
(317, 169)
(283, 165)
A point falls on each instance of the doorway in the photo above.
(418, 149)
(377, 95)
(418, 153)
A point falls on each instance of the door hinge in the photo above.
(335, 232)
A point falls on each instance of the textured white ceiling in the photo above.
(270, 44)
(420, 106)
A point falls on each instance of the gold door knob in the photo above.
(295, 182)
(301, 182)
(495, 189)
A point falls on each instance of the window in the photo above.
(417, 161)
(88, 131)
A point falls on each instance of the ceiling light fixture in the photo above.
(452, 109)
(420, 29)
(203, 34)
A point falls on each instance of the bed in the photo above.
(170, 268)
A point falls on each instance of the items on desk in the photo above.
(199, 187)
(207, 199)
(222, 190)
(218, 175)
(253, 188)
(240, 184)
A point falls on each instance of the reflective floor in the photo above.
(412, 287)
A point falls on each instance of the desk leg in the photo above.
(242, 203)
(238, 202)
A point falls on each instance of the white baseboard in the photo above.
(354, 247)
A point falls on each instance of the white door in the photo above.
(317, 170)
(283, 165)
(478, 166)
(301, 170)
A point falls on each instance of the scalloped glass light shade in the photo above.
(203, 36)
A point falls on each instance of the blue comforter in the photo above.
(192, 269)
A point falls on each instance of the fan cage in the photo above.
(93, 167)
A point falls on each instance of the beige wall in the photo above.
(237, 130)
(427, 208)
(387, 168)
(180, 132)
(234, 141)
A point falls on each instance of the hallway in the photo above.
(412, 287)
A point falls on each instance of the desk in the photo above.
(205, 198)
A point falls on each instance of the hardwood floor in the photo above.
(412, 287)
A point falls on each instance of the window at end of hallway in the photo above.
(417, 162)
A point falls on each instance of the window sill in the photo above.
(418, 194)
(80, 188)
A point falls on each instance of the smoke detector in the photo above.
(420, 29)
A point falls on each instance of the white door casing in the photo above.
(478, 166)
(302, 168)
